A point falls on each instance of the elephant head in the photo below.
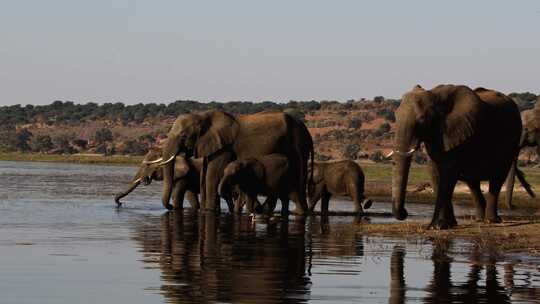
(441, 118)
(240, 174)
(200, 134)
(149, 170)
(531, 128)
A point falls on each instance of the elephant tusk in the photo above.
(149, 162)
(137, 180)
(409, 153)
(167, 161)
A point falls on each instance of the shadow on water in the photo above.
(204, 258)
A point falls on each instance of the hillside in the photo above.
(357, 129)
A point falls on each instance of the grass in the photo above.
(513, 235)
(74, 158)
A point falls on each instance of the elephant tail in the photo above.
(521, 176)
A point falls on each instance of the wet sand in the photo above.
(62, 241)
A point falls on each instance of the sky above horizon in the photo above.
(135, 51)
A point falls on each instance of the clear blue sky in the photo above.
(159, 51)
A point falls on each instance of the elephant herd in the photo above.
(469, 135)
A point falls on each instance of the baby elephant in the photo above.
(264, 175)
(342, 178)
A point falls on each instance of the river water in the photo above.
(62, 241)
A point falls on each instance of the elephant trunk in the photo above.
(402, 156)
(167, 185)
(119, 196)
(400, 176)
(224, 186)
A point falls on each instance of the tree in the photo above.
(22, 141)
(103, 135)
(42, 143)
(62, 142)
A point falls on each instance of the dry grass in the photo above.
(514, 235)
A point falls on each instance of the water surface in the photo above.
(62, 241)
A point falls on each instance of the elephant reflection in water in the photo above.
(204, 258)
(441, 288)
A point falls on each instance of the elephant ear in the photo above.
(181, 167)
(219, 130)
(462, 107)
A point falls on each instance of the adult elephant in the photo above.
(466, 139)
(530, 137)
(219, 138)
(186, 178)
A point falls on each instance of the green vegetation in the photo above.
(74, 158)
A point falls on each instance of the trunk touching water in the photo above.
(400, 176)
(119, 196)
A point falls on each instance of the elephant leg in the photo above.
(443, 216)
(301, 205)
(269, 205)
(193, 200)
(325, 201)
(239, 203)
(213, 176)
(357, 199)
(478, 200)
(284, 206)
(510, 185)
(492, 200)
(178, 198)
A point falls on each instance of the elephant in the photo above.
(263, 175)
(219, 138)
(186, 178)
(343, 178)
(530, 137)
(466, 139)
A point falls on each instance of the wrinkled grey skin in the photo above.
(265, 175)
(220, 138)
(341, 178)
(530, 137)
(186, 178)
(465, 140)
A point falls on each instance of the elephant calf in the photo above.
(343, 178)
(265, 175)
(186, 178)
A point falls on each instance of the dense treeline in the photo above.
(68, 112)
(50, 128)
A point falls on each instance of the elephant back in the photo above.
(261, 134)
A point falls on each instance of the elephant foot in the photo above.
(169, 207)
(495, 220)
(442, 224)
(367, 203)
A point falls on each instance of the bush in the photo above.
(133, 147)
(103, 135)
(42, 143)
(351, 151)
(377, 156)
(355, 123)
